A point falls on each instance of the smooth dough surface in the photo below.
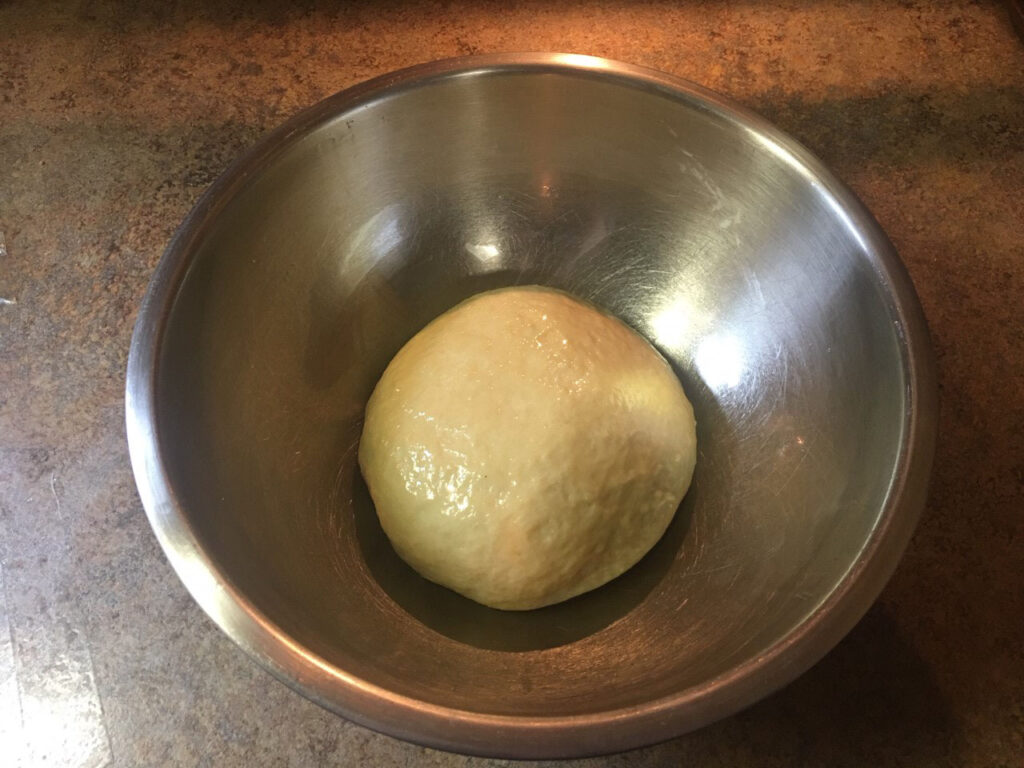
(525, 447)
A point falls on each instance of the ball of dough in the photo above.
(525, 447)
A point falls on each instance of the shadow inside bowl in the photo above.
(466, 621)
(463, 620)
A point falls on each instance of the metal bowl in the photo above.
(305, 267)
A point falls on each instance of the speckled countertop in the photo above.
(115, 116)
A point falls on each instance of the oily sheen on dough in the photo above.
(525, 447)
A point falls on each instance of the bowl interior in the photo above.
(701, 233)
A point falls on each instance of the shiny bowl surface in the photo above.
(305, 267)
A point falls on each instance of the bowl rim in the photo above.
(506, 735)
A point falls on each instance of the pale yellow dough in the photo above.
(524, 448)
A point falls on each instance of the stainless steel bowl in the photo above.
(304, 268)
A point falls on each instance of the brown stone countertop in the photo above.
(114, 116)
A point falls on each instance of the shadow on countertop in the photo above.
(872, 700)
